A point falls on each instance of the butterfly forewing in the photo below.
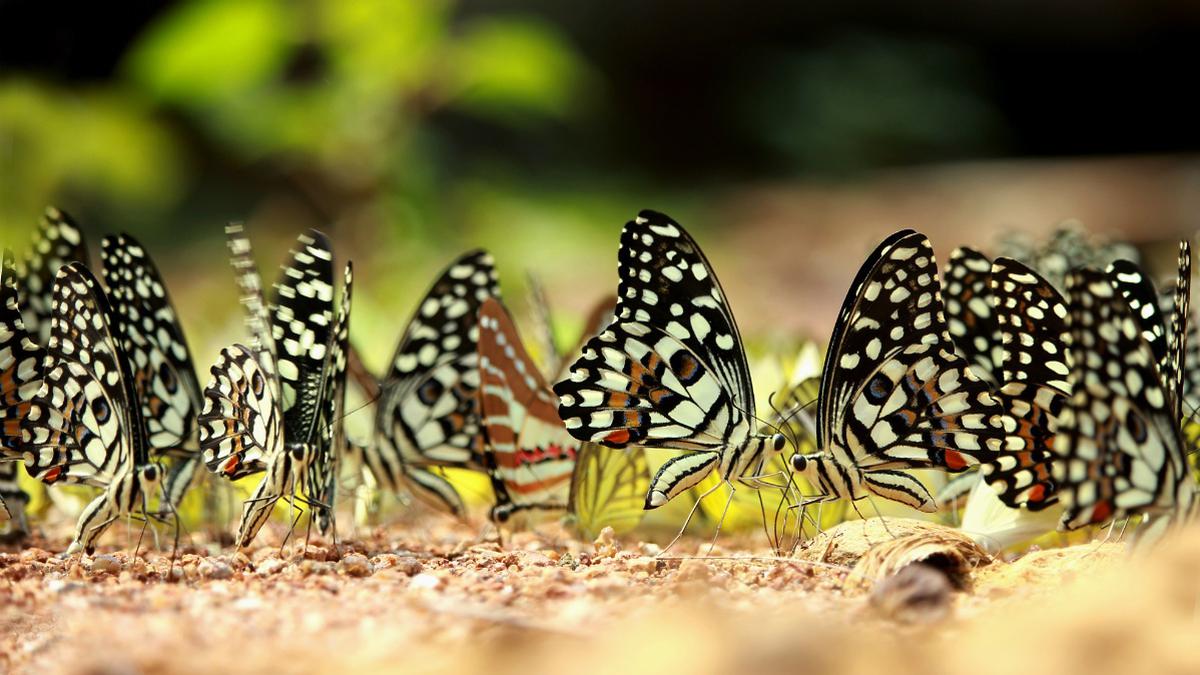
(1138, 290)
(970, 319)
(428, 412)
(1034, 376)
(670, 370)
(20, 368)
(58, 241)
(151, 337)
(323, 470)
(302, 328)
(893, 393)
(531, 455)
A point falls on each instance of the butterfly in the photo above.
(894, 394)
(1033, 373)
(84, 424)
(534, 463)
(670, 370)
(1119, 437)
(427, 415)
(152, 339)
(20, 376)
(58, 241)
(274, 407)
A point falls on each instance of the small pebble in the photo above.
(105, 564)
(426, 582)
(210, 569)
(355, 565)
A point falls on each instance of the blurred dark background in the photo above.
(789, 136)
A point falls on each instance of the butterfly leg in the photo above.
(257, 510)
(724, 512)
(94, 520)
(691, 513)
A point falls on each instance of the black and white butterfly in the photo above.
(152, 339)
(428, 415)
(670, 370)
(58, 241)
(894, 393)
(20, 376)
(85, 425)
(1119, 437)
(275, 406)
(970, 319)
(1034, 381)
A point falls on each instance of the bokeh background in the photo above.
(789, 136)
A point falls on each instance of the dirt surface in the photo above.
(420, 600)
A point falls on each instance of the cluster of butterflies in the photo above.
(1071, 394)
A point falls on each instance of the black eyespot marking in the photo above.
(878, 389)
(686, 367)
(101, 410)
(431, 391)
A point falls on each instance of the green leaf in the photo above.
(212, 50)
(509, 68)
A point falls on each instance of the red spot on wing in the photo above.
(1101, 512)
(231, 465)
(1037, 493)
(955, 460)
(618, 437)
(52, 475)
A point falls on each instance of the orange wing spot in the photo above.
(618, 399)
(230, 466)
(618, 437)
(1037, 493)
(955, 460)
(52, 475)
(633, 418)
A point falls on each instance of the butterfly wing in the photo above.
(670, 370)
(20, 375)
(894, 395)
(241, 424)
(1034, 372)
(58, 241)
(530, 455)
(428, 412)
(323, 470)
(608, 489)
(302, 330)
(153, 341)
(970, 319)
(1121, 448)
(1138, 290)
(83, 425)
(257, 315)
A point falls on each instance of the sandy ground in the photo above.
(419, 600)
